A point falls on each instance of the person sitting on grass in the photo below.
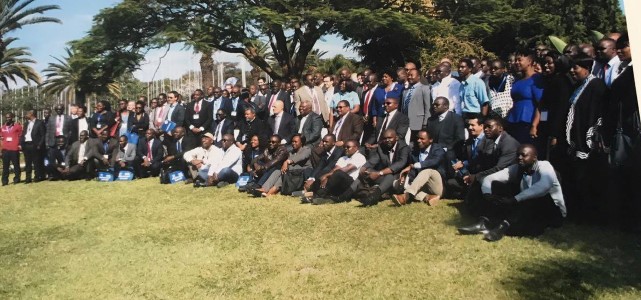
(298, 164)
(123, 156)
(79, 162)
(271, 160)
(522, 199)
(422, 179)
(326, 162)
(227, 166)
(340, 183)
(200, 159)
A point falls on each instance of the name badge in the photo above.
(105, 156)
(544, 115)
(9, 139)
(233, 113)
(196, 117)
(62, 163)
(159, 120)
(98, 126)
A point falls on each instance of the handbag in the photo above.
(293, 181)
(621, 144)
(501, 102)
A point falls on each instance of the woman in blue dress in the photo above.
(391, 88)
(526, 94)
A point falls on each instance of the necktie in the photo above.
(383, 127)
(368, 97)
(197, 107)
(474, 146)
(406, 101)
(218, 128)
(316, 105)
(179, 147)
(391, 155)
(338, 127)
(105, 146)
(149, 151)
(59, 126)
(271, 102)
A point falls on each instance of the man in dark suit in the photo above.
(417, 100)
(78, 124)
(384, 165)
(149, 155)
(221, 126)
(176, 148)
(198, 115)
(422, 179)
(282, 123)
(79, 161)
(123, 156)
(33, 146)
(58, 125)
(465, 153)
(327, 161)
(233, 105)
(56, 157)
(445, 127)
(496, 152)
(349, 126)
(251, 126)
(276, 93)
(393, 119)
(176, 112)
(103, 148)
(309, 124)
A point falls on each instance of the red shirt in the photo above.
(11, 136)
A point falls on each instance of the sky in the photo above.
(46, 41)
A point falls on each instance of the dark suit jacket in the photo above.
(140, 126)
(435, 160)
(282, 96)
(56, 156)
(37, 134)
(351, 129)
(72, 155)
(156, 150)
(379, 159)
(311, 129)
(249, 129)
(106, 119)
(493, 158)
(178, 115)
(188, 143)
(287, 126)
(326, 164)
(228, 127)
(399, 122)
(51, 129)
(204, 115)
(447, 132)
(73, 130)
(98, 148)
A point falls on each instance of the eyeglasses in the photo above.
(340, 106)
(389, 103)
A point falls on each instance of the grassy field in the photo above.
(141, 240)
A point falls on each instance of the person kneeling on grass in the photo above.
(271, 160)
(200, 159)
(524, 199)
(227, 165)
(293, 171)
(340, 183)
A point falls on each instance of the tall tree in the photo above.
(290, 28)
(14, 65)
(15, 14)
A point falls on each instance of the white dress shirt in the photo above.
(232, 158)
(449, 88)
(208, 156)
(27, 136)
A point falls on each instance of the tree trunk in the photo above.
(207, 69)
(81, 97)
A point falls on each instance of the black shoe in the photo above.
(198, 184)
(321, 201)
(28, 181)
(257, 193)
(372, 198)
(222, 184)
(497, 233)
(4, 183)
(480, 227)
(189, 181)
(242, 189)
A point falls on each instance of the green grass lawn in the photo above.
(143, 240)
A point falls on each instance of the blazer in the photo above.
(377, 108)
(158, 113)
(56, 156)
(227, 127)
(327, 163)
(51, 129)
(98, 147)
(249, 129)
(448, 132)
(303, 94)
(74, 127)
(188, 143)
(37, 134)
(493, 157)
(351, 129)
(201, 119)
(280, 95)
(287, 127)
(100, 121)
(72, 155)
(128, 155)
(435, 160)
(157, 150)
(177, 116)
(140, 126)
(399, 122)
(379, 159)
(311, 128)
(419, 106)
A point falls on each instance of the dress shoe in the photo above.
(189, 181)
(480, 227)
(28, 181)
(432, 200)
(323, 200)
(257, 193)
(298, 193)
(198, 184)
(242, 189)
(497, 233)
(400, 199)
(222, 184)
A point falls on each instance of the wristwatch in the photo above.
(380, 173)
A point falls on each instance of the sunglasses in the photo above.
(340, 106)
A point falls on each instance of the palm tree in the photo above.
(13, 65)
(15, 13)
(65, 75)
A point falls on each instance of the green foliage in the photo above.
(14, 65)
(15, 14)
(453, 48)
(335, 64)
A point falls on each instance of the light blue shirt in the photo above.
(351, 97)
(473, 94)
(171, 111)
(217, 103)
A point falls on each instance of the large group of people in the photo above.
(525, 143)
